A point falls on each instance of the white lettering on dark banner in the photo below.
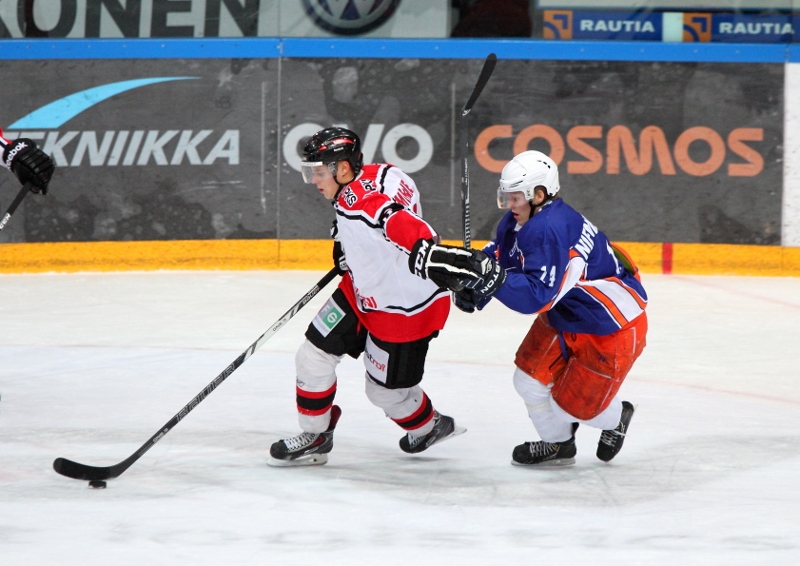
(617, 26)
(756, 28)
(389, 146)
(139, 147)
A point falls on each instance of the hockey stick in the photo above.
(93, 473)
(483, 78)
(15, 203)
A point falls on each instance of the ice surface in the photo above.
(93, 364)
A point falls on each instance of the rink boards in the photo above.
(184, 153)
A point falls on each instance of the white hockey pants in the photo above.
(316, 372)
(552, 422)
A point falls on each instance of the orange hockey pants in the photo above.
(585, 370)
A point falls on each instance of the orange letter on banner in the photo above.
(541, 131)
(714, 141)
(639, 162)
(482, 147)
(653, 135)
(594, 159)
(755, 162)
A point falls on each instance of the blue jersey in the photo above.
(560, 263)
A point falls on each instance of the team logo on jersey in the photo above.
(328, 317)
(349, 197)
(350, 17)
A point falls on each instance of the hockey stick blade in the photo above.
(483, 78)
(15, 203)
(75, 470)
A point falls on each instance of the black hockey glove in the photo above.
(339, 262)
(465, 300)
(29, 163)
(456, 268)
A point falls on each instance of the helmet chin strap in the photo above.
(547, 198)
(339, 190)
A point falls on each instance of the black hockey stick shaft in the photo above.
(78, 471)
(483, 78)
(15, 203)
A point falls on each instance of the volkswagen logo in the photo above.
(350, 17)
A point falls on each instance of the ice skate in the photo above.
(541, 453)
(444, 427)
(305, 449)
(611, 440)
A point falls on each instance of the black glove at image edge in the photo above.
(29, 164)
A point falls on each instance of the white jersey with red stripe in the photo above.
(559, 262)
(379, 218)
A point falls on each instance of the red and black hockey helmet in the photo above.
(332, 145)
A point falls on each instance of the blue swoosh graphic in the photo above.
(56, 113)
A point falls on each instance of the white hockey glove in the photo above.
(456, 268)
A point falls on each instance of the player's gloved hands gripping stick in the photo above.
(339, 261)
(456, 268)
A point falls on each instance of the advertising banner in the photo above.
(602, 25)
(148, 149)
(648, 151)
(750, 28)
(210, 149)
(651, 152)
(223, 18)
(670, 26)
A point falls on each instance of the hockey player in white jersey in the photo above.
(379, 310)
(27, 162)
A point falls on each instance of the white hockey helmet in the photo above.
(528, 170)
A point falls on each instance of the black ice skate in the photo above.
(307, 448)
(611, 440)
(541, 453)
(443, 428)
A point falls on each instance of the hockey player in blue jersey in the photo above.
(547, 259)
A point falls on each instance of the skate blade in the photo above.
(310, 460)
(560, 463)
(457, 430)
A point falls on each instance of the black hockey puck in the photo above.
(98, 484)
